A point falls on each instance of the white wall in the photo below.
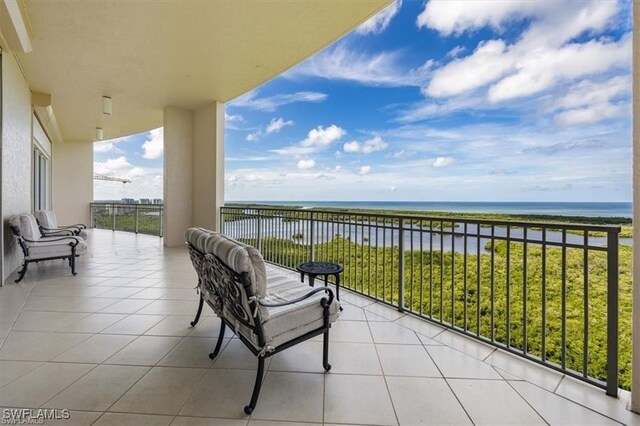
(72, 181)
(16, 155)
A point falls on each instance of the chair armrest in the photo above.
(77, 225)
(300, 299)
(73, 241)
(47, 232)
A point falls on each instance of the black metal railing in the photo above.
(138, 218)
(545, 291)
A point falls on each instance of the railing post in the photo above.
(160, 231)
(113, 213)
(137, 218)
(612, 313)
(92, 221)
(312, 233)
(401, 264)
(259, 231)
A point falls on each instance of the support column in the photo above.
(178, 141)
(635, 378)
(208, 166)
(72, 181)
(193, 170)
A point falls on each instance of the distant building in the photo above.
(129, 201)
(157, 201)
(145, 201)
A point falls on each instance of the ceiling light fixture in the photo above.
(106, 105)
(99, 133)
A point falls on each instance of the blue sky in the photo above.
(435, 101)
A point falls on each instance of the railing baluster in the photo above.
(508, 288)
(431, 269)
(564, 300)
(453, 274)
(544, 294)
(421, 267)
(524, 292)
(311, 238)
(585, 297)
(493, 283)
(478, 281)
(464, 280)
(401, 261)
(612, 313)
(412, 268)
(441, 271)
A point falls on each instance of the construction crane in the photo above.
(97, 176)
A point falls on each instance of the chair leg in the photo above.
(248, 409)
(325, 352)
(72, 261)
(22, 272)
(215, 352)
(195, 321)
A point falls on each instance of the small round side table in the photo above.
(314, 269)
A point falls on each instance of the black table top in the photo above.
(319, 268)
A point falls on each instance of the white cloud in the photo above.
(593, 113)
(106, 146)
(443, 161)
(352, 146)
(275, 126)
(272, 103)
(118, 167)
(321, 137)
(535, 73)
(545, 55)
(456, 51)
(378, 23)
(588, 92)
(367, 147)
(456, 17)
(254, 136)
(375, 69)
(233, 121)
(590, 102)
(306, 164)
(364, 170)
(153, 146)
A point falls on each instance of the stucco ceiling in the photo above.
(148, 54)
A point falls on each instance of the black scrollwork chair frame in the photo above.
(230, 293)
(73, 243)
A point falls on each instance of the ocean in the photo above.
(589, 209)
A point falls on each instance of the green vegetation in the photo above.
(147, 223)
(435, 287)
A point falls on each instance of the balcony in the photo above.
(114, 344)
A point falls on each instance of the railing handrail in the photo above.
(290, 235)
(499, 222)
(117, 210)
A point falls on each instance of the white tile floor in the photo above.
(114, 346)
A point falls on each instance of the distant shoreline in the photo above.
(614, 210)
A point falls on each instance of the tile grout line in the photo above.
(448, 385)
(386, 384)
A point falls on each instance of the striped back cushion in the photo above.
(53, 220)
(47, 218)
(236, 255)
(28, 226)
